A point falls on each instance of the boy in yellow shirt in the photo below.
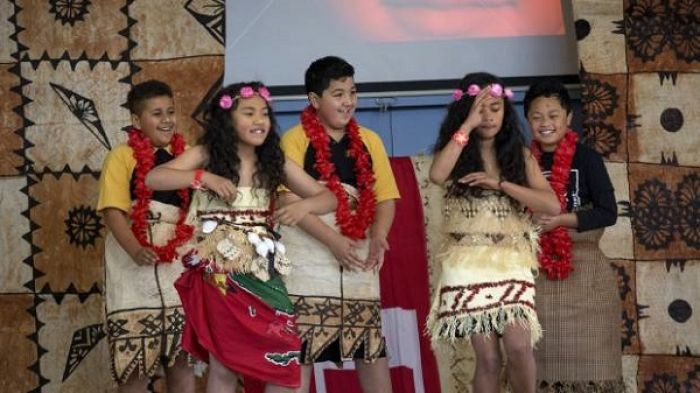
(337, 257)
(144, 314)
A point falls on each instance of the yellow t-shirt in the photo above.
(294, 144)
(116, 179)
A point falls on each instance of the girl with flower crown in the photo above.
(577, 287)
(239, 316)
(486, 290)
(144, 314)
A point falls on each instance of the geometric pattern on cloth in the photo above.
(615, 386)
(324, 320)
(485, 296)
(142, 339)
(83, 341)
(571, 358)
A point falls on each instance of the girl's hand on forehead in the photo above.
(476, 112)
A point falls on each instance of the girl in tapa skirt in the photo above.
(487, 288)
(578, 286)
(240, 317)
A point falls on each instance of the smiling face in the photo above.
(549, 121)
(336, 105)
(157, 120)
(251, 120)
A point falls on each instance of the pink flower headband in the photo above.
(226, 101)
(496, 91)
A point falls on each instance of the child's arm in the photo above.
(301, 183)
(602, 193)
(444, 160)
(378, 245)
(118, 223)
(317, 199)
(180, 173)
(538, 195)
(343, 248)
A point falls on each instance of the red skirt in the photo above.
(239, 329)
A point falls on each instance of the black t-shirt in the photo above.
(590, 194)
(169, 197)
(344, 164)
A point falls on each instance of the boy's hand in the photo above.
(378, 246)
(144, 256)
(292, 213)
(547, 222)
(344, 249)
(221, 186)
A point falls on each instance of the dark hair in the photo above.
(508, 142)
(221, 141)
(324, 70)
(144, 91)
(547, 88)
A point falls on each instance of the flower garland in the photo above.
(555, 253)
(145, 159)
(352, 224)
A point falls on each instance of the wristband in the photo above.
(460, 137)
(197, 181)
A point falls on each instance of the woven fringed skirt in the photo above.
(488, 260)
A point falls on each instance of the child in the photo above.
(335, 280)
(144, 314)
(486, 288)
(239, 315)
(578, 287)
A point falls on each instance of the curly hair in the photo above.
(220, 139)
(508, 142)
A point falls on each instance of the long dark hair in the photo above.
(508, 142)
(221, 141)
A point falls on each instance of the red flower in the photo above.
(555, 245)
(145, 159)
(352, 224)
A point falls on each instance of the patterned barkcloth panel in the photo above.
(340, 307)
(640, 71)
(61, 112)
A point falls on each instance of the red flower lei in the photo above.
(352, 224)
(145, 159)
(555, 253)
